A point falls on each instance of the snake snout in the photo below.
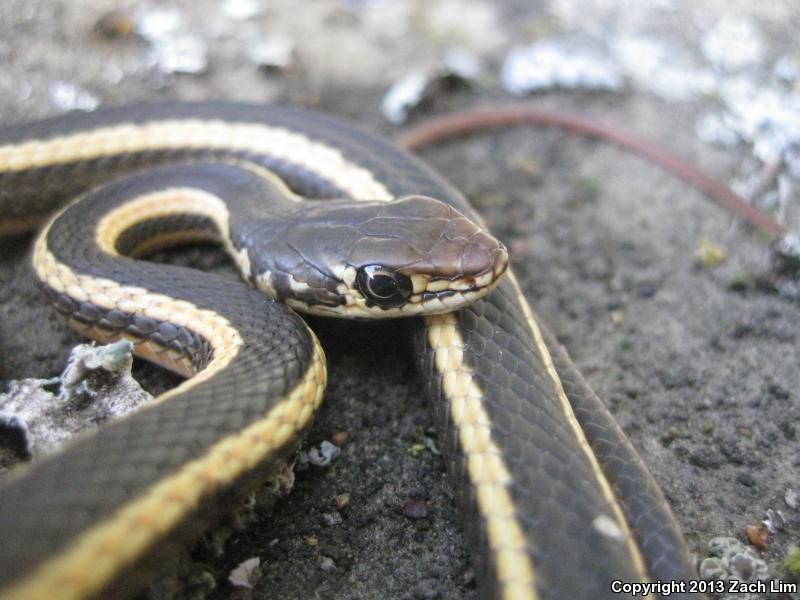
(483, 256)
(464, 255)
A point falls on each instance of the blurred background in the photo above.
(681, 318)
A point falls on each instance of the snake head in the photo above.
(411, 256)
(421, 256)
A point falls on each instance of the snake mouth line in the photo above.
(426, 287)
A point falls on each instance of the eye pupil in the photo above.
(383, 286)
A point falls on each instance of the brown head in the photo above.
(414, 255)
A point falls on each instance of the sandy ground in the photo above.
(699, 365)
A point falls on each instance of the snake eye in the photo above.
(383, 286)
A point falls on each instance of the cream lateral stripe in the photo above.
(163, 203)
(118, 541)
(224, 339)
(276, 142)
(486, 469)
(633, 548)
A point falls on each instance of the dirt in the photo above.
(697, 363)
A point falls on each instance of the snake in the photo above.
(324, 219)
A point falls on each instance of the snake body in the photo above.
(558, 504)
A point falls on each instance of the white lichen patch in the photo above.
(96, 386)
(246, 573)
(732, 560)
(324, 454)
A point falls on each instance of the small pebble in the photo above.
(332, 518)
(709, 254)
(758, 535)
(324, 454)
(67, 96)
(430, 444)
(417, 449)
(327, 564)
(616, 318)
(774, 520)
(416, 508)
(115, 25)
(242, 10)
(791, 499)
(462, 63)
(274, 55)
(339, 438)
(245, 574)
(404, 95)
